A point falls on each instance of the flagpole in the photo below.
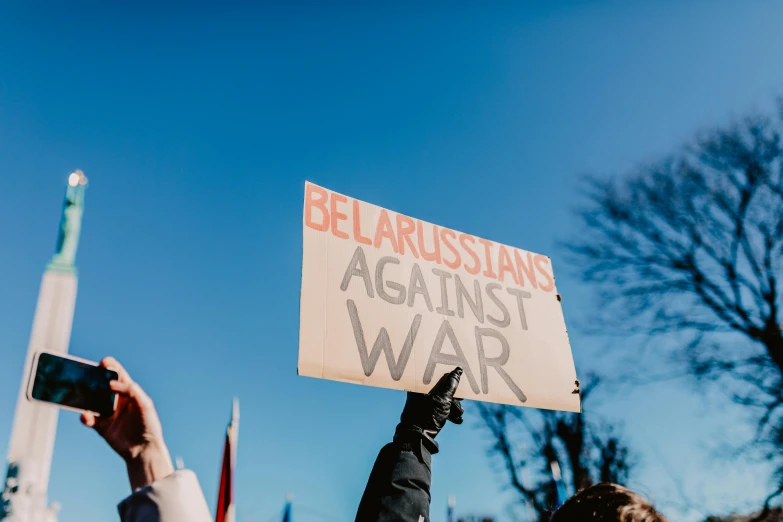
(233, 436)
(289, 498)
(234, 431)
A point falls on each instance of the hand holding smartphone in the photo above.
(72, 384)
(121, 412)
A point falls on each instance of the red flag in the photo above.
(225, 501)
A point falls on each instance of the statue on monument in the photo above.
(71, 222)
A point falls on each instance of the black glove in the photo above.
(425, 415)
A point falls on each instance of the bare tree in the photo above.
(693, 246)
(530, 444)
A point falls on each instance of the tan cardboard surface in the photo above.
(395, 302)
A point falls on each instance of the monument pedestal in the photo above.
(35, 424)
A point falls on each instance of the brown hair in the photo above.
(607, 502)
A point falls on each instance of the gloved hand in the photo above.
(425, 415)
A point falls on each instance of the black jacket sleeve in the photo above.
(399, 485)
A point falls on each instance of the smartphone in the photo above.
(72, 383)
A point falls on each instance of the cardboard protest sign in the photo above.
(395, 302)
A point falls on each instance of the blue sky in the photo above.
(198, 125)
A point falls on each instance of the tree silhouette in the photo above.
(693, 246)
(533, 445)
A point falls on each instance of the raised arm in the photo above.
(399, 486)
(134, 431)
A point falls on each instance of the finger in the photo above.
(121, 388)
(447, 384)
(111, 363)
(456, 411)
(88, 419)
(138, 393)
(131, 390)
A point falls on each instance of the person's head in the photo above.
(607, 502)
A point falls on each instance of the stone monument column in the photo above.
(24, 496)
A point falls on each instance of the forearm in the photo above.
(399, 486)
(149, 466)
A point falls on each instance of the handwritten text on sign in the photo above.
(395, 302)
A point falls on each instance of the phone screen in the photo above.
(74, 384)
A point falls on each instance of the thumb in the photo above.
(456, 411)
(447, 385)
(88, 419)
